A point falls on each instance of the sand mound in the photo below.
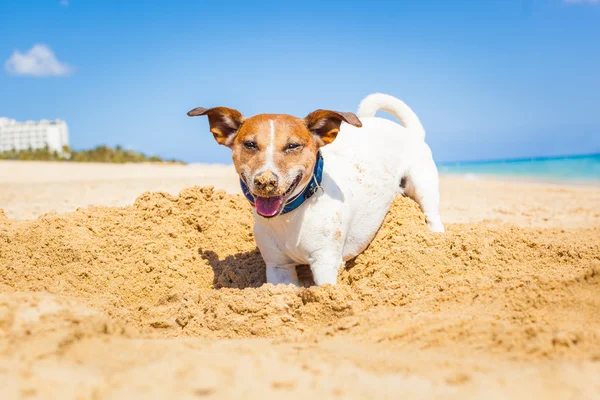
(187, 266)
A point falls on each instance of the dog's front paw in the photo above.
(325, 273)
(282, 274)
(435, 226)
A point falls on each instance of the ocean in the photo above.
(574, 169)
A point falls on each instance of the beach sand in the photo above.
(108, 291)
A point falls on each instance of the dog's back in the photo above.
(384, 154)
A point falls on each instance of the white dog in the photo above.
(322, 205)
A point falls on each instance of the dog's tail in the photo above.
(379, 101)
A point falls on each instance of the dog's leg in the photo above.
(424, 188)
(285, 274)
(325, 268)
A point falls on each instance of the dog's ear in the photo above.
(224, 122)
(325, 124)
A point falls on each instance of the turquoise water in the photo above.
(577, 169)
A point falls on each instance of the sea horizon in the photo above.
(578, 168)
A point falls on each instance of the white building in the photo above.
(33, 135)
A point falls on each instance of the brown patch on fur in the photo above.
(325, 124)
(224, 122)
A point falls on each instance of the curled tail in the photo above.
(379, 101)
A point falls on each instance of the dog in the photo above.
(321, 186)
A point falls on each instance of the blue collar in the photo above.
(296, 201)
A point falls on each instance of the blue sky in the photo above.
(488, 78)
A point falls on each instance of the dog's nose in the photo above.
(266, 182)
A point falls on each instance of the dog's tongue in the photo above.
(268, 206)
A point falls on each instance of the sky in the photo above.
(489, 79)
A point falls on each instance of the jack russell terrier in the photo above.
(322, 205)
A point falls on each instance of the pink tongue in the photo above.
(268, 206)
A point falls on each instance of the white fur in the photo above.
(384, 102)
(362, 173)
(269, 164)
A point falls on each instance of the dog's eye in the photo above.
(292, 147)
(250, 145)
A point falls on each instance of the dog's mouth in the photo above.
(269, 207)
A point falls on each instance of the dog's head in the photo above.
(274, 154)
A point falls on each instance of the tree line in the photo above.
(103, 154)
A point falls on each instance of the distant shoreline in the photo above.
(572, 170)
(227, 170)
(520, 159)
(522, 179)
(577, 169)
(100, 154)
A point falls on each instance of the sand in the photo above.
(164, 296)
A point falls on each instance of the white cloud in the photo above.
(38, 61)
(64, 3)
(582, 1)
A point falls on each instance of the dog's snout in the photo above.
(266, 182)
